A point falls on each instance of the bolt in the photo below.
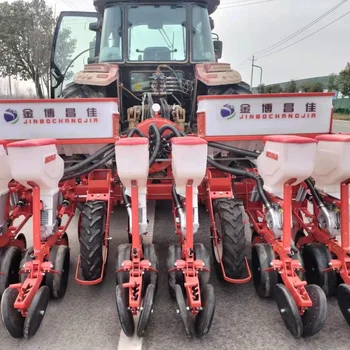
(187, 308)
(177, 311)
(42, 312)
(152, 311)
(122, 264)
(175, 264)
(283, 311)
(150, 264)
(330, 263)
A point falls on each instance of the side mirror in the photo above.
(94, 26)
(211, 21)
(217, 48)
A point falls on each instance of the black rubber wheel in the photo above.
(149, 277)
(147, 304)
(26, 257)
(21, 237)
(123, 253)
(205, 317)
(264, 281)
(315, 316)
(316, 257)
(201, 253)
(182, 309)
(9, 267)
(74, 90)
(125, 316)
(57, 282)
(343, 298)
(231, 237)
(288, 310)
(12, 319)
(299, 234)
(91, 239)
(174, 277)
(36, 312)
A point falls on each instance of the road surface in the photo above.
(86, 318)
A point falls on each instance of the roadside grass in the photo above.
(338, 116)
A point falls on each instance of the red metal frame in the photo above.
(284, 264)
(188, 264)
(39, 266)
(137, 264)
(315, 234)
(22, 208)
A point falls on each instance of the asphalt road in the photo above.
(86, 318)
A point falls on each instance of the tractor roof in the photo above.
(211, 4)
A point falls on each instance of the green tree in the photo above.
(26, 31)
(274, 89)
(344, 80)
(262, 89)
(332, 83)
(291, 87)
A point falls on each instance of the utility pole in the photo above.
(251, 75)
(10, 86)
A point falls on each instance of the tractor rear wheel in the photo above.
(91, 239)
(74, 90)
(231, 237)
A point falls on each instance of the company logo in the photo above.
(11, 116)
(228, 111)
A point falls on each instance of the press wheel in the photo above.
(315, 316)
(288, 310)
(12, 319)
(205, 317)
(125, 316)
(36, 312)
(9, 267)
(264, 281)
(146, 311)
(343, 298)
(57, 282)
(182, 309)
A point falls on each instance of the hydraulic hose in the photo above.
(244, 173)
(314, 193)
(175, 197)
(156, 149)
(104, 160)
(89, 159)
(172, 128)
(240, 151)
(135, 131)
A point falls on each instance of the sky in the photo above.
(249, 26)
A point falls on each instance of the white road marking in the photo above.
(134, 342)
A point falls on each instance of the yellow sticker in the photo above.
(137, 87)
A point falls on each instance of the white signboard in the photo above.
(60, 119)
(304, 113)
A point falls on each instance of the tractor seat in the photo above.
(156, 54)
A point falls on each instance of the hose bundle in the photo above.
(157, 148)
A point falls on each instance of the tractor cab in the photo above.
(143, 53)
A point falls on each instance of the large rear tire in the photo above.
(74, 90)
(91, 239)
